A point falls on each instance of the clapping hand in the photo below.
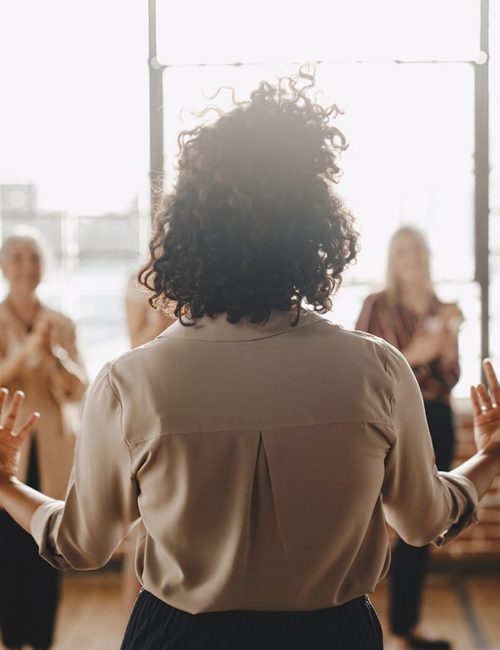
(38, 343)
(11, 438)
(424, 348)
(486, 410)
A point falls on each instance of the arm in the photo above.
(439, 347)
(368, 320)
(19, 500)
(66, 370)
(449, 364)
(136, 316)
(11, 366)
(143, 326)
(422, 504)
(423, 348)
(101, 502)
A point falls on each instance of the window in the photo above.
(74, 152)
(409, 117)
(74, 133)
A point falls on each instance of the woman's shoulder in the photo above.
(58, 318)
(372, 311)
(377, 299)
(359, 341)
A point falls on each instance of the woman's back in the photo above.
(253, 428)
(257, 455)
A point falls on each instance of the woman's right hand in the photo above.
(37, 344)
(486, 410)
(12, 437)
(424, 348)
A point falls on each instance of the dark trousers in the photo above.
(29, 586)
(409, 563)
(154, 625)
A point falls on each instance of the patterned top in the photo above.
(398, 325)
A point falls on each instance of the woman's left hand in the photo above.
(486, 410)
(11, 438)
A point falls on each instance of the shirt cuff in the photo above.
(469, 515)
(40, 521)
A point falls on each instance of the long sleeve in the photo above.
(449, 369)
(368, 319)
(422, 504)
(101, 502)
(68, 384)
(80, 381)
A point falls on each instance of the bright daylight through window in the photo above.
(408, 108)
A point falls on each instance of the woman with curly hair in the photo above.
(256, 441)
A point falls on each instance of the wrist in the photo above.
(490, 454)
(7, 480)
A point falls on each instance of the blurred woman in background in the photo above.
(143, 324)
(410, 316)
(38, 354)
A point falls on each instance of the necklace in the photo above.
(26, 322)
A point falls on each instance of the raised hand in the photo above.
(486, 409)
(11, 438)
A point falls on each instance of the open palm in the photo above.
(11, 438)
(486, 409)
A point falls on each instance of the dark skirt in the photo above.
(29, 586)
(154, 625)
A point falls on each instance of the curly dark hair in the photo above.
(253, 224)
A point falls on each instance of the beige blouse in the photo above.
(263, 461)
(54, 436)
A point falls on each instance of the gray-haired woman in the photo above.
(38, 355)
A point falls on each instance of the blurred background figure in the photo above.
(143, 324)
(38, 355)
(409, 315)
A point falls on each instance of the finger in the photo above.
(492, 379)
(484, 396)
(13, 411)
(28, 426)
(4, 392)
(476, 404)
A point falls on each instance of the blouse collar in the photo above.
(219, 329)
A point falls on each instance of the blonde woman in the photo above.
(38, 355)
(409, 315)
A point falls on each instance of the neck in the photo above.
(23, 304)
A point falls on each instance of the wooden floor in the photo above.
(463, 609)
